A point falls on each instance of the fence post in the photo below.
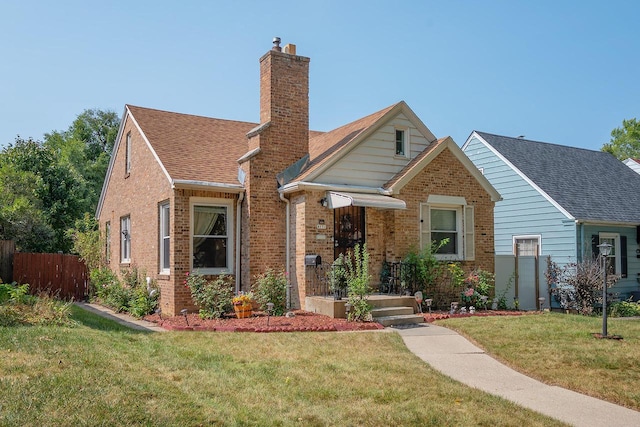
(7, 249)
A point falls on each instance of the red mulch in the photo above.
(302, 321)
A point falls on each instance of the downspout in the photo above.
(238, 238)
(286, 262)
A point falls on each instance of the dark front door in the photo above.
(348, 226)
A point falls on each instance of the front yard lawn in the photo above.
(560, 349)
(99, 373)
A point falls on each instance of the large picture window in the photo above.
(449, 219)
(165, 238)
(212, 237)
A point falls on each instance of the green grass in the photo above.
(100, 373)
(560, 349)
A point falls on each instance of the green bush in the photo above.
(18, 307)
(212, 296)
(133, 295)
(271, 286)
(358, 279)
(625, 309)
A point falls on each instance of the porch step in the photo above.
(390, 311)
(400, 319)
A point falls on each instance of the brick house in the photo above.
(184, 192)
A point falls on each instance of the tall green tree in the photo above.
(625, 140)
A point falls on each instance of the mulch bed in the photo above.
(301, 321)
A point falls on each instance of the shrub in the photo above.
(133, 295)
(18, 307)
(212, 296)
(427, 267)
(101, 280)
(337, 276)
(358, 279)
(625, 309)
(271, 286)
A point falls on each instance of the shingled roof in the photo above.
(193, 147)
(590, 185)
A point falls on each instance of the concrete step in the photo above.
(402, 319)
(391, 311)
(378, 301)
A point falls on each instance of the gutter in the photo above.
(238, 239)
(286, 262)
(302, 185)
(206, 185)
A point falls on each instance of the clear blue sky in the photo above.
(557, 71)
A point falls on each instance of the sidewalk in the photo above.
(448, 352)
(121, 318)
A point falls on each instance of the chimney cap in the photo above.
(276, 44)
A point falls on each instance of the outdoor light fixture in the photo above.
(484, 299)
(269, 311)
(428, 302)
(605, 251)
(347, 309)
(184, 313)
(541, 302)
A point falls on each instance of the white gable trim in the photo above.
(126, 115)
(400, 108)
(520, 173)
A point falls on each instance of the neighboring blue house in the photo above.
(562, 200)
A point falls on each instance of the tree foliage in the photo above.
(46, 186)
(625, 140)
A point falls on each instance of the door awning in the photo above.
(338, 200)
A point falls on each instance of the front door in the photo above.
(348, 226)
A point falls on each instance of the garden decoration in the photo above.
(243, 305)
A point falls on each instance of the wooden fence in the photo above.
(7, 249)
(62, 275)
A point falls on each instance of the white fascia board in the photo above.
(605, 223)
(205, 185)
(523, 176)
(292, 187)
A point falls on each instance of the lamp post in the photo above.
(605, 250)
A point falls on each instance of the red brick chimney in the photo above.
(284, 101)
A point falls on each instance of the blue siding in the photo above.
(523, 211)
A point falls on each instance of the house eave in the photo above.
(605, 223)
(186, 184)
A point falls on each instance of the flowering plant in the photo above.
(243, 299)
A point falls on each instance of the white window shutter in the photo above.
(469, 236)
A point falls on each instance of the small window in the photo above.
(125, 239)
(613, 260)
(400, 142)
(527, 245)
(127, 155)
(165, 238)
(107, 242)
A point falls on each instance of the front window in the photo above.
(125, 239)
(613, 260)
(165, 238)
(527, 245)
(212, 243)
(453, 224)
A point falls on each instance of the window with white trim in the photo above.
(613, 260)
(400, 142)
(125, 239)
(212, 235)
(528, 245)
(165, 238)
(450, 218)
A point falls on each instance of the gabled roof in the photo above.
(194, 148)
(419, 162)
(592, 186)
(325, 147)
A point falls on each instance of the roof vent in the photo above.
(276, 44)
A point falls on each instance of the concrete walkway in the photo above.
(454, 356)
(121, 318)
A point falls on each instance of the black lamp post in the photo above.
(605, 250)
